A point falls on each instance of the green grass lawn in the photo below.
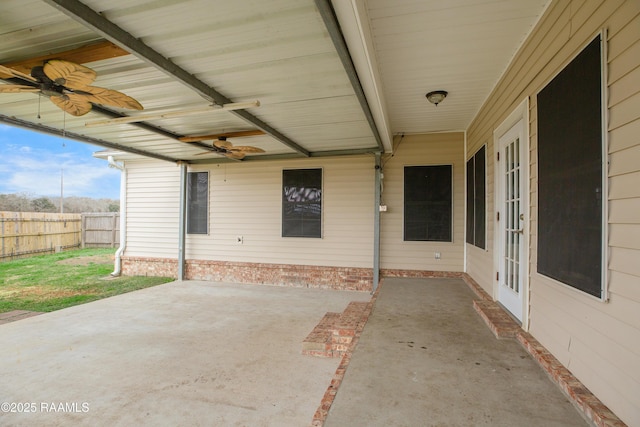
(52, 282)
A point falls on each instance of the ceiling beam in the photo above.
(287, 156)
(173, 114)
(82, 138)
(39, 127)
(91, 19)
(82, 55)
(148, 127)
(238, 134)
(333, 27)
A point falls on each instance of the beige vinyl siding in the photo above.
(153, 190)
(246, 200)
(480, 261)
(422, 150)
(598, 341)
(480, 265)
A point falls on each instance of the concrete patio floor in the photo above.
(179, 354)
(425, 358)
(211, 354)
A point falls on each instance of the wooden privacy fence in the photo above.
(31, 233)
(101, 230)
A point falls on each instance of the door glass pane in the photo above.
(512, 194)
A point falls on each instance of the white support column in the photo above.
(182, 226)
(376, 223)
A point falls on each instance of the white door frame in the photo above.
(520, 117)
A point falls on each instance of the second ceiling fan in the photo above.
(224, 147)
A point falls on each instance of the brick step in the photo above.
(319, 340)
(499, 322)
(334, 334)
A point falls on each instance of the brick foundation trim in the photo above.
(504, 326)
(303, 276)
(593, 409)
(476, 288)
(420, 274)
(155, 267)
(357, 315)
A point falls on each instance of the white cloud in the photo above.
(35, 169)
(79, 180)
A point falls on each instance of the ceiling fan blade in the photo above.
(15, 73)
(110, 97)
(74, 104)
(69, 74)
(246, 149)
(235, 155)
(221, 143)
(17, 88)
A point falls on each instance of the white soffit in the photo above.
(280, 53)
(461, 46)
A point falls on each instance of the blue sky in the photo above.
(30, 163)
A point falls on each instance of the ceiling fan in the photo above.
(68, 85)
(222, 146)
(227, 149)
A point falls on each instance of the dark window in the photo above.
(197, 202)
(570, 178)
(427, 203)
(302, 203)
(476, 231)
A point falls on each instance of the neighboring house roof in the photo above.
(329, 81)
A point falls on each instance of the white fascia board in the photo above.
(354, 23)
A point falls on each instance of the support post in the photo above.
(376, 222)
(182, 226)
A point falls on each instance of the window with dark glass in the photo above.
(197, 202)
(428, 203)
(570, 173)
(302, 203)
(476, 230)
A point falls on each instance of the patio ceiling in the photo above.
(331, 78)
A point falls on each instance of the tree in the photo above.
(15, 202)
(42, 204)
(22, 202)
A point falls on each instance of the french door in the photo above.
(511, 219)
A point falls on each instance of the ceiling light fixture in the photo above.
(437, 96)
(143, 117)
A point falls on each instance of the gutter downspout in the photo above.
(123, 214)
